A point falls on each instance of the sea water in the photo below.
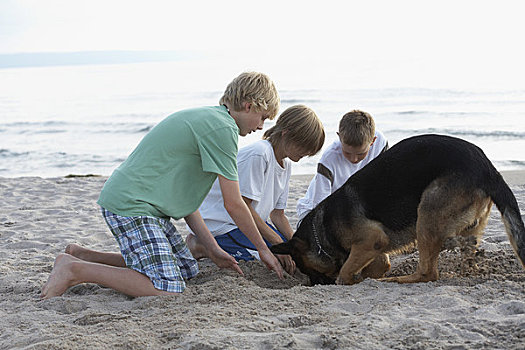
(56, 121)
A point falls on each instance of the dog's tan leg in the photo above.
(360, 256)
(482, 209)
(475, 230)
(429, 246)
(445, 211)
(373, 241)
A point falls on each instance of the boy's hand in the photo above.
(204, 245)
(225, 260)
(287, 263)
(271, 262)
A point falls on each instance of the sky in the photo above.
(474, 42)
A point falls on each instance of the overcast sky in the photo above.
(482, 37)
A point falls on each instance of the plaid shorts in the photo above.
(153, 247)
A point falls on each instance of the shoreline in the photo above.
(512, 177)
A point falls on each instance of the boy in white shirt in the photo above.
(359, 142)
(264, 169)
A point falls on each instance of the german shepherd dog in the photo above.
(424, 189)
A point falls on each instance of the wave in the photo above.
(300, 101)
(433, 113)
(498, 134)
(145, 129)
(56, 127)
(44, 123)
(411, 112)
(509, 164)
(5, 153)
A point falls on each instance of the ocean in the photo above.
(61, 120)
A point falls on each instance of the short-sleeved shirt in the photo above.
(333, 171)
(261, 179)
(174, 166)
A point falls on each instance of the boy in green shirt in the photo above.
(167, 176)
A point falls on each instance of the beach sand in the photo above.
(221, 310)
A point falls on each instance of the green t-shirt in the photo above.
(174, 166)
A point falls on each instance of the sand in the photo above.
(221, 310)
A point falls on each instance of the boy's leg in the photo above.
(186, 262)
(145, 247)
(69, 271)
(113, 259)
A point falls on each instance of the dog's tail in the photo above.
(507, 205)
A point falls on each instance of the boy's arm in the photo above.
(240, 213)
(213, 250)
(265, 230)
(281, 223)
(272, 237)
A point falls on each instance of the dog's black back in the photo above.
(409, 167)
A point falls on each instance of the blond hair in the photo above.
(299, 125)
(255, 88)
(357, 128)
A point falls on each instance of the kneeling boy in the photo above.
(264, 175)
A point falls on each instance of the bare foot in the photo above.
(76, 251)
(61, 277)
(196, 248)
(218, 256)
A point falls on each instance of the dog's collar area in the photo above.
(321, 250)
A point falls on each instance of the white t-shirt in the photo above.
(339, 170)
(261, 179)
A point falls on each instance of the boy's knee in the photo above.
(163, 293)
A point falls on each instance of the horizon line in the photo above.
(92, 57)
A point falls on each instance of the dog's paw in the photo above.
(388, 279)
(413, 278)
(355, 279)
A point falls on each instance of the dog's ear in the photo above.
(282, 248)
(295, 244)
